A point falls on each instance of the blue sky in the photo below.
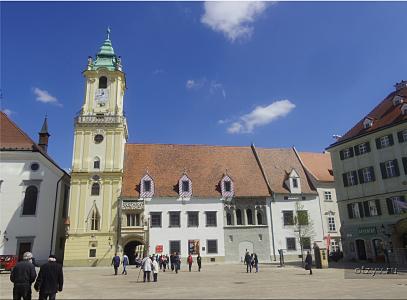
(277, 75)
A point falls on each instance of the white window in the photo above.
(334, 245)
(384, 141)
(372, 208)
(94, 221)
(346, 153)
(390, 168)
(367, 123)
(131, 219)
(355, 210)
(398, 205)
(404, 135)
(367, 175)
(362, 148)
(331, 223)
(351, 178)
(185, 186)
(147, 186)
(328, 196)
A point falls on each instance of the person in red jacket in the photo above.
(190, 261)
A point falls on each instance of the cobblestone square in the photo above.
(224, 281)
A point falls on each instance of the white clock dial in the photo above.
(101, 95)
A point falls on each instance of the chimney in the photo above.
(44, 135)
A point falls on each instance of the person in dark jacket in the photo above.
(116, 263)
(199, 262)
(23, 275)
(308, 263)
(50, 279)
(248, 261)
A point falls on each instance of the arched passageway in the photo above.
(130, 251)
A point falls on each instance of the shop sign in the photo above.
(367, 230)
(159, 249)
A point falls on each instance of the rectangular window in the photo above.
(355, 210)
(288, 217)
(92, 252)
(185, 186)
(291, 244)
(175, 246)
(212, 246)
(331, 224)
(147, 185)
(372, 208)
(302, 216)
(366, 175)
(193, 219)
(389, 169)
(96, 164)
(402, 136)
(228, 186)
(175, 219)
(362, 148)
(347, 153)
(306, 243)
(155, 219)
(351, 178)
(131, 219)
(295, 183)
(396, 205)
(384, 141)
(328, 196)
(211, 218)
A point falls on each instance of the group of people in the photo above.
(49, 281)
(251, 261)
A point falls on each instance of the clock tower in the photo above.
(97, 166)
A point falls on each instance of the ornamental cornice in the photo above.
(132, 205)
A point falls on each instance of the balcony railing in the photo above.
(99, 119)
(131, 205)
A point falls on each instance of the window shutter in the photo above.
(366, 207)
(400, 136)
(355, 175)
(350, 211)
(396, 166)
(383, 170)
(391, 140)
(360, 173)
(356, 150)
(371, 170)
(345, 180)
(351, 151)
(405, 164)
(390, 208)
(379, 209)
(378, 145)
(367, 146)
(341, 154)
(361, 209)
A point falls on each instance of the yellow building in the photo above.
(97, 166)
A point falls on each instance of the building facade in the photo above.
(370, 167)
(34, 195)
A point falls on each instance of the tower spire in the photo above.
(108, 32)
(44, 135)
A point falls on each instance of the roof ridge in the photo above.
(19, 129)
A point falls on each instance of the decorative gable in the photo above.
(293, 182)
(227, 187)
(185, 187)
(367, 123)
(146, 186)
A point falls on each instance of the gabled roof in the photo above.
(204, 165)
(385, 114)
(318, 164)
(278, 164)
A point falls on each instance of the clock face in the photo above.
(101, 95)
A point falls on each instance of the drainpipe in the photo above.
(55, 209)
(272, 228)
(119, 222)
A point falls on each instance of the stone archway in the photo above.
(130, 250)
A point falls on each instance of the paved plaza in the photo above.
(224, 281)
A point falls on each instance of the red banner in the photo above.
(159, 249)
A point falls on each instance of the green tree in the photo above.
(304, 227)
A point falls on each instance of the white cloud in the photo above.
(261, 116)
(158, 71)
(8, 112)
(215, 86)
(233, 19)
(195, 84)
(45, 97)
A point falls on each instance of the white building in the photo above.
(33, 195)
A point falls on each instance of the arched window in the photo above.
(30, 200)
(249, 217)
(96, 163)
(228, 219)
(238, 217)
(94, 221)
(103, 82)
(259, 218)
(95, 189)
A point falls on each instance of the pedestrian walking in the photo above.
(256, 262)
(160, 262)
(199, 262)
(308, 262)
(172, 261)
(190, 261)
(155, 269)
(146, 265)
(116, 263)
(164, 262)
(125, 262)
(50, 279)
(23, 275)
(248, 262)
(177, 262)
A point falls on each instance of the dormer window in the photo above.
(367, 123)
(185, 186)
(227, 187)
(146, 187)
(397, 100)
(103, 82)
(293, 182)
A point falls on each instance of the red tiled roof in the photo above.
(12, 137)
(318, 164)
(204, 165)
(383, 115)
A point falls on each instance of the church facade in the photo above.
(218, 201)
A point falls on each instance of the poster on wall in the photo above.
(193, 247)
(159, 249)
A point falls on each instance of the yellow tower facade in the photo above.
(97, 167)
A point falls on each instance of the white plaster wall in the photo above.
(163, 235)
(14, 168)
(329, 206)
(282, 232)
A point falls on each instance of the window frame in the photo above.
(24, 212)
(327, 193)
(208, 215)
(293, 242)
(95, 189)
(291, 223)
(192, 213)
(208, 248)
(390, 168)
(170, 247)
(331, 223)
(170, 219)
(156, 213)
